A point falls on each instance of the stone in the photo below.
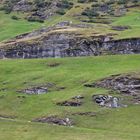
(55, 120)
(90, 114)
(78, 97)
(66, 45)
(35, 90)
(120, 28)
(107, 101)
(136, 100)
(73, 103)
(125, 84)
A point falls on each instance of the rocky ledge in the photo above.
(67, 45)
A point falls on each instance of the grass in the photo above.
(72, 73)
(131, 19)
(9, 28)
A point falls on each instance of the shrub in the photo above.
(15, 17)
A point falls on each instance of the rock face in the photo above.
(68, 45)
(107, 101)
(55, 120)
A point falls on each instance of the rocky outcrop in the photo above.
(55, 120)
(125, 84)
(68, 45)
(70, 103)
(122, 46)
(35, 90)
(107, 101)
(74, 102)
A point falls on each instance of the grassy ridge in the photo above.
(10, 28)
(72, 73)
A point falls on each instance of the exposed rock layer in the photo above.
(68, 45)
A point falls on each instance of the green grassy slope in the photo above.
(131, 19)
(72, 73)
(10, 28)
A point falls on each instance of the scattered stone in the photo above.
(35, 90)
(44, 89)
(74, 103)
(120, 28)
(125, 84)
(78, 97)
(136, 100)
(107, 101)
(55, 120)
(90, 114)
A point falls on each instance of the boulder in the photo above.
(107, 101)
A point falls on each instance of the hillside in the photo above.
(17, 109)
(73, 25)
(106, 15)
(69, 69)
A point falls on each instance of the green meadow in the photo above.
(71, 73)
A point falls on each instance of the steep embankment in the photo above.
(58, 43)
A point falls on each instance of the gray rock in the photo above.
(67, 45)
(55, 120)
(107, 101)
(126, 84)
(35, 90)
